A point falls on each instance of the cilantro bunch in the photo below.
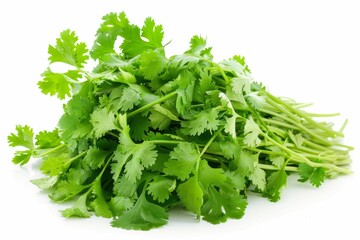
(143, 132)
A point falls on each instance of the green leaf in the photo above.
(185, 92)
(276, 182)
(206, 120)
(79, 209)
(22, 157)
(95, 158)
(137, 158)
(68, 50)
(103, 45)
(54, 165)
(118, 164)
(45, 182)
(315, 175)
(65, 190)
(191, 195)
(129, 99)
(241, 84)
(119, 204)
(245, 162)
(276, 160)
(182, 160)
(161, 187)
(251, 131)
(134, 44)
(197, 44)
(103, 121)
(144, 215)
(59, 84)
(46, 139)
(221, 200)
(99, 204)
(256, 101)
(152, 63)
(210, 176)
(204, 85)
(258, 178)
(23, 137)
(222, 204)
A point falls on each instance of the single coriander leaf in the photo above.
(59, 84)
(233, 66)
(236, 179)
(185, 91)
(152, 63)
(160, 188)
(79, 209)
(55, 164)
(297, 139)
(245, 162)
(134, 43)
(68, 50)
(256, 101)
(103, 46)
(124, 187)
(120, 204)
(206, 120)
(242, 62)
(159, 120)
(154, 33)
(204, 85)
(241, 84)
(66, 190)
(276, 160)
(251, 132)
(45, 182)
(258, 178)
(119, 162)
(138, 157)
(139, 126)
(276, 182)
(191, 195)
(144, 215)
(223, 204)
(95, 158)
(129, 99)
(210, 176)
(103, 121)
(46, 139)
(230, 150)
(22, 157)
(182, 161)
(113, 24)
(99, 204)
(23, 137)
(197, 44)
(317, 177)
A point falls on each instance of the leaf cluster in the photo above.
(142, 132)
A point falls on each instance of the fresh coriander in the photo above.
(143, 132)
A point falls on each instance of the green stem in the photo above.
(207, 145)
(302, 115)
(76, 157)
(149, 105)
(51, 151)
(302, 159)
(271, 167)
(165, 141)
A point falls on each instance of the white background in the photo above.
(307, 50)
